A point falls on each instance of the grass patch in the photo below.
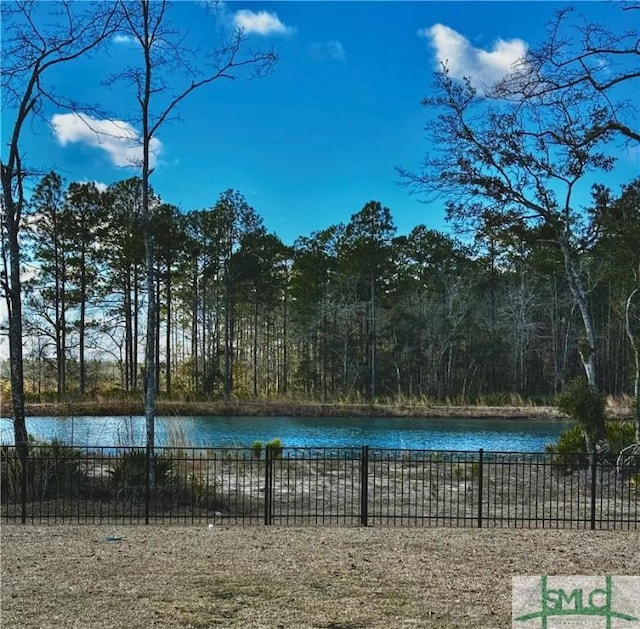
(490, 406)
(268, 577)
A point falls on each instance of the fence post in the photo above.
(364, 486)
(480, 466)
(268, 483)
(594, 464)
(147, 483)
(22, 451)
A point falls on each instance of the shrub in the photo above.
(200, 491)
(130, 470)
(620, 435)
(53, 469)
(582, 404)
(276, 448)
(571, 448)
(256, 449)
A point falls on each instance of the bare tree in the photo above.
(168, 72)
(588, 61)
(518, 163)
(583, 61)
(37, 37)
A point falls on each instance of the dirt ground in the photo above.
(277, 577)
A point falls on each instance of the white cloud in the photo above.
(121, 38)
(117, 138)
(328, 50)
(261, 23)
(483, 67)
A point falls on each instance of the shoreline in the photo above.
(290, 408)
(247, 408)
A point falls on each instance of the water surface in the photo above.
(428, 433)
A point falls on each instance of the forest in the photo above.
(116, 291)
(353, 311)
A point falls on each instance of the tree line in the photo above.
(541, 290)
(351, 311)
(38, 38)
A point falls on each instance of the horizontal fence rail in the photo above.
(333, 486)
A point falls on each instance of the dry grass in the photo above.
(292, 408)
(273, 577)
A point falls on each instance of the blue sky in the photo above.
(313, 142)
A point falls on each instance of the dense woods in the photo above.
(352, 311)
(116, 291)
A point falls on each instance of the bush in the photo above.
(571, 451)
(582, 404)
(256, 449)
(619, 436)
(200, 491)
(130, 470)
(276, 448)
(53, 469)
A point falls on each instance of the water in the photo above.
(433, 434)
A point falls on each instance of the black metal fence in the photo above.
(299, 486)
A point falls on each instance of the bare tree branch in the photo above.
(159, 86)
(584, 60)
(515, 162)
(36, 37)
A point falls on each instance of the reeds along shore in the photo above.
(293, 408)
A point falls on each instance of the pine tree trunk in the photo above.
(168, 334)
(255, 346)
(81, 339)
